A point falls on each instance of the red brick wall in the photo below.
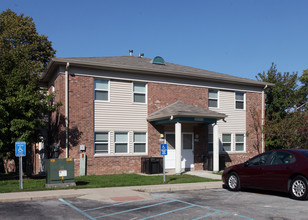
(253, 128)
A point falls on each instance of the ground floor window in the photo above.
(115, 143)
(121, 142)
(101, 142)
(239, 142)
(226, 142)
(140, 142)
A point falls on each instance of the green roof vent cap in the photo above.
(158, 60)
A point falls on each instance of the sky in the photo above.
(236, 37)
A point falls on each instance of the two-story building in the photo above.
(123, 108)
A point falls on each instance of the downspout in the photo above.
(66, 108)
(263, 115)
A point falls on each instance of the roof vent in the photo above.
(131, 52)
(141, 55)
(158, 60)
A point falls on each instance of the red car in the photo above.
(278, 170)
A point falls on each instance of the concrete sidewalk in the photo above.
(114, 194)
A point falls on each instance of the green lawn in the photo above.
(10, 183)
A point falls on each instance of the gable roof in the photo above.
(180, 109)
(144, 65)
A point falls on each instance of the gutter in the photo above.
(262, 119)
(66, 108)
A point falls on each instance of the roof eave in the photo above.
(58, 61)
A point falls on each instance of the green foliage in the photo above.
(303, 92)
(286, 121)
(280, 98)
(24, 54)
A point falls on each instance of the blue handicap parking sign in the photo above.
(20, 149)
(163, 149)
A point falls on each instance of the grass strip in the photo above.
(99, 181)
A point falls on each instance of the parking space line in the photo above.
(108, 206)
(130, 210)
(205, 207)
(78, 210)
(164, 213)
(205, 216)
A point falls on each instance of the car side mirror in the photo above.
(246, 164)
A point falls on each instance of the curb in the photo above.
(104, 192)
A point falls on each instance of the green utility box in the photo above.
(60, 172)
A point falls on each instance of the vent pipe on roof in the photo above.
(141, 55)
(131, 52)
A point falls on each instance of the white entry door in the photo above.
(187, 150)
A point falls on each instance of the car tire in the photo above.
(299, 188)
(233, 182)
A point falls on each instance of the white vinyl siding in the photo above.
(120, 113)
(235, 123)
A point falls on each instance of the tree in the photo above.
(280, 99)
(285, 126)
(23, 55)
(303, 92)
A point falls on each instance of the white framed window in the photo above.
(227, 142)
(239, 142)
(101, 142)
(139, 92)
(101, 88)
(140, 142)
(239, 100)
(121, 142)
(213, 98)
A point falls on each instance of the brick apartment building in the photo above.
(122, 108)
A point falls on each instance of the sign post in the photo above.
(20, 151)
(163, 152)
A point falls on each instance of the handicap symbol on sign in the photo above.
(163, 149)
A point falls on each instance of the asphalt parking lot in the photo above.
(198, 204)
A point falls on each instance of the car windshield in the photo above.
(305, 153)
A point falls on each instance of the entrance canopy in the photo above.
(181, 112)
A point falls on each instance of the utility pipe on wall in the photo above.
(66, 108)
(263, 115)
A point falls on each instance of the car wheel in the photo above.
(233, 182)
(299, 188)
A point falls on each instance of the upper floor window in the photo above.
(239, 100)
(140, 142)
(101, 89)
(101, 142)
(213, 98)
(139, 90)
(121, 142)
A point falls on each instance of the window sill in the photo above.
(121, 155)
